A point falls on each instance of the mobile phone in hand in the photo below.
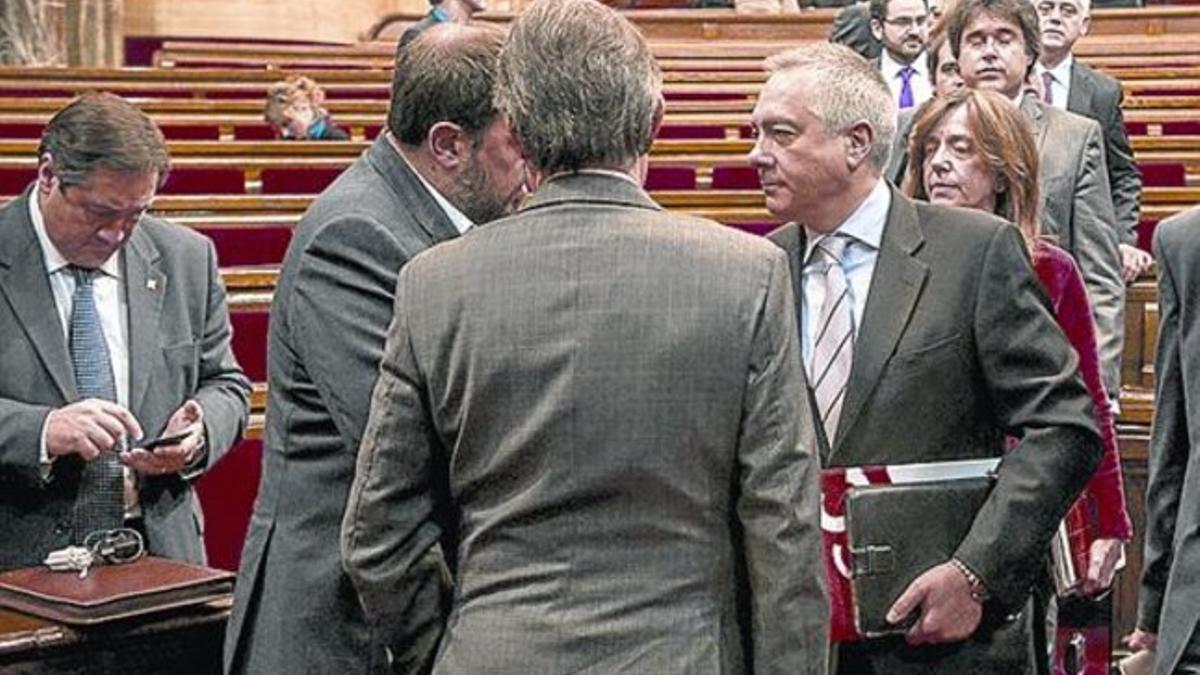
(152, 443)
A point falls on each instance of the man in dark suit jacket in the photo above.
(446, 161)
(852, 27)
(954, 349)
(1076, 205)
(1170, 589)
(597, 396)
(1070, 84)
(443, 11)
(159, 308)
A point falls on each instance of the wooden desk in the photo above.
(182, 642)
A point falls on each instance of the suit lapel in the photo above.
(1033, 111)
(896, 286)
(145, 286)
(23, 280)
(1079, 99)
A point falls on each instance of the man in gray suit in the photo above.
(115, 327)
(946, 348)
(599, 398)
(1069, 84)
(446, 161)
(997, 43)
(1170, 589)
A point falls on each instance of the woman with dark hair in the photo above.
(974, 149)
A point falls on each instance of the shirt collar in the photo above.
(890, 68)
(440, 15)
(1061, 72)
(594, 172)
(457, 218)
(50, 253)
(865, 224)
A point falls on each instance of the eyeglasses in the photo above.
(102, 547)
(907, 22)
(97, 214)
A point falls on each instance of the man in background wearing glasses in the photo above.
(901, 26)
(114, 328)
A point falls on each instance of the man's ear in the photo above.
(45, 174)
(448, 145)
(877, 29)
(1085, 25)
(859, 138)
(660, 112)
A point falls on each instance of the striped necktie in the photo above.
(906, 91)
(1047, 87)
(833, 347)
(100, 504)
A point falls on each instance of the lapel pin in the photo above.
(152, 284)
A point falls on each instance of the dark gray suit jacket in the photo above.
(606, 396)
(179, 340)
(1170, 589)
(294, 610)
(1076, 210)
(1098, 96)
(852, 27)
(957, 350)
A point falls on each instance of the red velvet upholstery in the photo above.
(190, 181)
(40, 92)
(297, 181)
(20, 130)
(1136, 128)
(735, 178)
(1188, 128)
(1145, 234)
(690, 131)
(357, 92)
(227, 494)
(14, 181)
(249, 245)
(671, 178)
(250, 341)
(1162, 175)
(191, 132)
(253, 132)
(372, 130)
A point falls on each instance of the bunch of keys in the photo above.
(112, 547)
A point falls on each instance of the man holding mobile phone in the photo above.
(115, 328)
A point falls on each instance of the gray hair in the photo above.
(105, 130)
(845, 90)
(579, 85)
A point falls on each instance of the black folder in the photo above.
(897, 532)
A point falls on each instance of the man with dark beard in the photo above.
(446, 161)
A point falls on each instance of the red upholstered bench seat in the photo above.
(194, 181)
(14, 181)
(671, 178)
(1162, 175)
(249, 244)
(227, 493)
(298, 181)
(250, 340)
(735, 178)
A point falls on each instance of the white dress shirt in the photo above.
(922, 89)
(864, 228)
(1060, 88)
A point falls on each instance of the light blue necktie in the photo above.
(100, 504)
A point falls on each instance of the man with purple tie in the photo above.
(901, 26)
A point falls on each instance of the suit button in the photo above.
(62, 528)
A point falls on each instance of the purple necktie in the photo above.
(906, 92)
(1047, 92)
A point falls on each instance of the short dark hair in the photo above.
(878, 8)
(446, 74)
(1020, 12)
(105, 130)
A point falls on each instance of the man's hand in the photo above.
(1102, 565)
(1134, 261)
(88, 428)
(1140, 640)
(188, 419)
(949, 613)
